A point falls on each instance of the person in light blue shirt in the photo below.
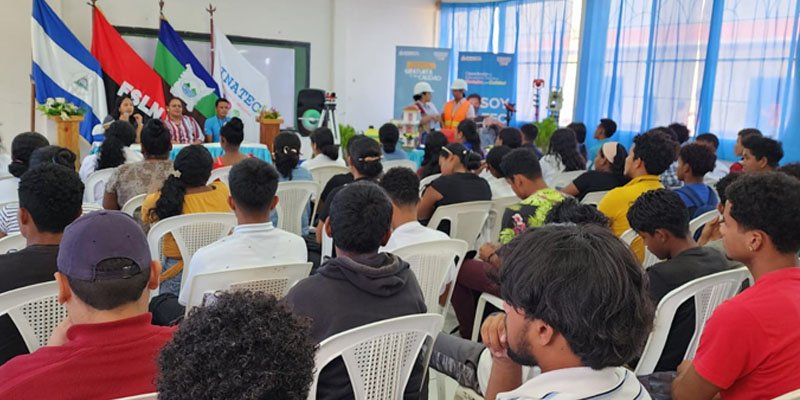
(286, 156)
(214, 124)
(389, 135)
(602, 134)
(695, 160)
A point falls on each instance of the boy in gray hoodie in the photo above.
(360, 285)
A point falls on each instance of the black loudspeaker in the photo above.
(310, 103)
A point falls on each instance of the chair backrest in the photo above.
(92, 181)
(399, 163)
(380, 356)
(89, 207)
(326, 246)
(424, 182)
(191, 232)
(499, 206)
(133, 204)
(147, 396)
(708, 292)
(793, 395)
(649, 258)
(221, 174)
(293, 197)
(593, 198)
(323, 173)
(12, 243)
(466, 219)
(563, 179)
(701, 220)
(431, 262)
(35, 311)
(273, 279)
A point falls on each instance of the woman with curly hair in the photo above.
(22, 147)
(563, 155)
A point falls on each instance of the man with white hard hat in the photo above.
(422, 100)
(456, 110)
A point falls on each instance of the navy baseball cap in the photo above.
(99, 236)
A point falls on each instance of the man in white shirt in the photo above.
(579, 325)
(254, 241)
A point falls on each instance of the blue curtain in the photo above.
(466, 27)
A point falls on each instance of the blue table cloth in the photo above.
(256, 149)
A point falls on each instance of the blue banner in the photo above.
(420, 64)
(493, 77)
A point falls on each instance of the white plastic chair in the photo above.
(322, 174)
(708, 292)
(485, 298)
(793, 395)
(327, 245)
(380, 356)
(35, 312)
(701, 220)
(399, 163)
(221, 174)
(148, 396)
(133, 204)
(495, 219)
(426, 181)
(563, 179)
(12, 243)
(92, 181)
(431, 263)
(649, 258)
(593, 198)
(466, 219)
(191, 232)
(293, 197)
(272, 279)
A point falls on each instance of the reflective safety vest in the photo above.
(452, 116)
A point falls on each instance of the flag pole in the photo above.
(33, 106)
(211, 10)
(161, 9)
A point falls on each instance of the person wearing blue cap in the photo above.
(106, 347)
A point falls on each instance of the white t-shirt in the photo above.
(413, 233)
(580, 383)
(250, 245)
(320, 160)
(8, 190)
(551, 166)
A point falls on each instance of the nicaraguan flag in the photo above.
(184, 74)
(62, 67)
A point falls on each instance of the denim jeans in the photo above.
(171, 285)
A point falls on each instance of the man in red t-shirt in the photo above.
(750, 348)
(107, 347)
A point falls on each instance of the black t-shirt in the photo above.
(325, 210)
(457, 188)
(335, 182)
(667, 276)
(598, 181)
(29, 266)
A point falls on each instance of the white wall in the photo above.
(352, 43)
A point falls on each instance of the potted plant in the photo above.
(60, 108)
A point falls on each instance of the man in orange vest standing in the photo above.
(456, 110)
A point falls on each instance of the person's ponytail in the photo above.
(323, 139)
(170, 203)
(119, 135)
(287, 153)
(193, 168)
(472, 160)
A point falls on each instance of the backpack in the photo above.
(699, 207)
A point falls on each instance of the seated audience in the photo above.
(124, 111)
(738, 149)
(22, 147)
(608, 172)
(286, 159)
(603, 133)
(580, 135)
(750, 347)
(215, 353)
(710, 236)
(529, 134)
(760, 154)
(363, 285)
(231, 136)
(509, 137)
(213, 125)
(325, 151)
(562, 156)
(184, 192)
(661, 219)
(650, 155)
(456, 185)
(579, 325)
(131, 180)
(434, 142)
(695, 160)
(680, 134)
(114, 151)
(467, 135)
(494, 174)
(389, 135)
(791, 169)
(720, 169)
(106, 348)
(183, 129)
(50, 198)
(255, 241)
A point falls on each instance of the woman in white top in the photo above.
(22, 147)
(563, 155)
(114, 151)
(325, 151)
(423, 93)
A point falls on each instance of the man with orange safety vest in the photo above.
(456, 110)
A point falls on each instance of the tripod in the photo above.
(328, 117)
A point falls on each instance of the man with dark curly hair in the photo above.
(243, 346)
(695, 160)
(650, 155)
(791, 169)
(761, 154)
(750, 347)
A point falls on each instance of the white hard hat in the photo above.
(422, 87)
(459, 84)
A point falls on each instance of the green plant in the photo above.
(60, 107)
(346, 132)
(546, 128)
(268, 113)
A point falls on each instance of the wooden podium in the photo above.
(68, 134)
(270, 128)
